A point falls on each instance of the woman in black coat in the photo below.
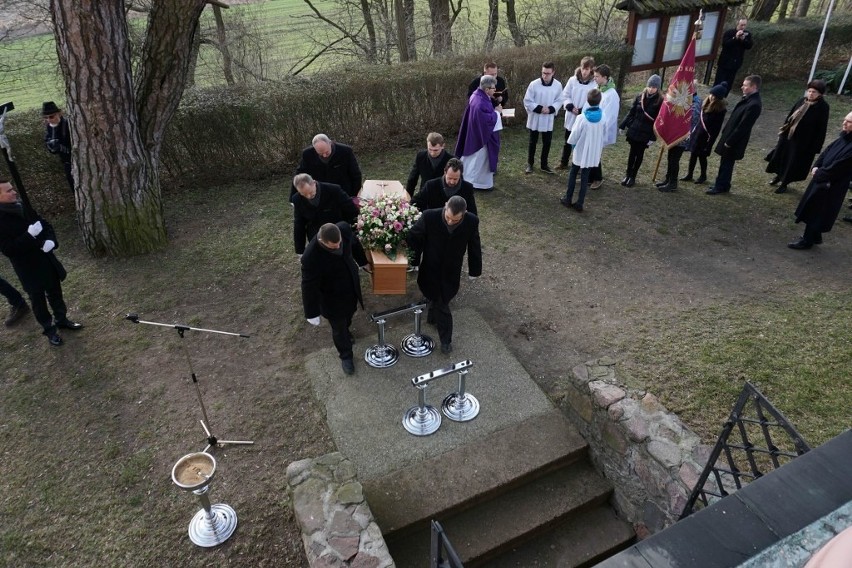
(704, 134)
(800, 138)
(639, 124)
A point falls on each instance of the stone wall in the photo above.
(338, 528)
(652, 459)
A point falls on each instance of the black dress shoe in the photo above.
(446, 348)
(848, 218)
(54, 339)
(630, 182)
(578, 208)
(668, 188)
(800, 244)
(714, 191)
(348, 366)
(775, 180)
(687, 177)
(16, 313)
(68, 324)
(546, 169)
(625, 180)
(781, 189)
(700, 180)
(565, 202)
(663, 183)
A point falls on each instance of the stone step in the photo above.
(439, 487)
(579, 542)
(496, 526)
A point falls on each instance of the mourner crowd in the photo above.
(442, 185)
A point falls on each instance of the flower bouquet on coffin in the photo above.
(383, 223)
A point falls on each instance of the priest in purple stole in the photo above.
(479, 137)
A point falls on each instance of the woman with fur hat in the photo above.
(639, 124)
(800, 138)
(703, 135)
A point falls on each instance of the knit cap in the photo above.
(655, 81)
(720, 90)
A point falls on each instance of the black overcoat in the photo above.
(733, 50)
(737, 130)
(423, 170)
(334, 206)
(823, 199)
(443, 253)
(330, 283)
(639, 122)
(341, 168)
(432, 196)
(807, 141)
(35, 269)
(705, 132)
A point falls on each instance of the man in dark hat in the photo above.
(29, 243)
(57, 137)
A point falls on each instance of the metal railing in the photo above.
(751, 453)
(441, 553)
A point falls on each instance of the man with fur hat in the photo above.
(57, 137)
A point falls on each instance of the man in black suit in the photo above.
(443, 236)
(429, 163)
(331, 162)
(734, 138)
(331, 287)
(501, 94)
(436, 192)
(735, 42)
(28, 241)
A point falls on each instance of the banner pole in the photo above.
(657, 168)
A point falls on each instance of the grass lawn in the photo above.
(691, 294)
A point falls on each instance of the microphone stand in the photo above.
(212, 441)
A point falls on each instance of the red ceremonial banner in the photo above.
(675, 118)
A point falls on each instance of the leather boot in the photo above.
(663, 183)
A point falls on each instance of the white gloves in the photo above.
(48, 246)
(315, 321)
(34, 229)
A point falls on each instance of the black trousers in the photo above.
(701, 160)
(68, 177)
(11, 293)
(341, 336)
(566, 150)
(42, 294)
(635, 157)
(673, 163)
(440, 314)
(546, 138)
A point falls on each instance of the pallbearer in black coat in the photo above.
(29, 241)
(429, 164)
(823, 199)
(331, 287)
(316, 204)
(443, 236)
(436, 192)
(331, 162)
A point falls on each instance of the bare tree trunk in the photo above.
(763, 9)
(223, 45)
(493, 21)
(371, 30)
(193, 61)
(442, 39)
(401, 32)
(802, 8)
(512, 20)
(118, 133)
(410, 35)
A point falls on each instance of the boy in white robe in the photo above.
(587, 138)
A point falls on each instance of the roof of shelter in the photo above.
(647, 7)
